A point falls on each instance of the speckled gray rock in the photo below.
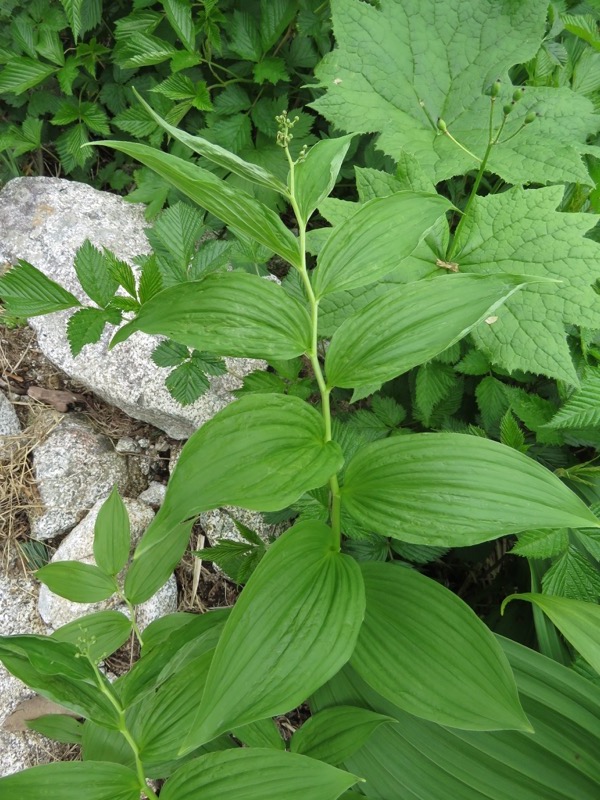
(79, 546)
(45, 220)
(154, 495)
(74, 466)
(18, 614)
(9, 426)
(218, 524)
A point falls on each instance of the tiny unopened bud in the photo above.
(517, 95)
(529, 118)
(507, 109)
(495, 89)
(442, 126)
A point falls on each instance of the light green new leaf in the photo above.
(423, 761)
(577, 620)
(228, 314)
(582, 409)
(401, 65)
(336, 733)
(374, 240)
(72, 780)
(27, 292)
(453, 490)
(241, 212)
(98, 634)
(316, 174)
(78, 582)
(261, 452)
(56, 671)
(422, 319)
(519, 231)
(300, 641)
(425, 650)
(256, 774)
(112, 536)
(219, 155)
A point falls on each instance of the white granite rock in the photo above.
(45, 220)
(154, 495)
(79, 546)
(18, 614)
(219, 524)
(9, 426)
(74, 466)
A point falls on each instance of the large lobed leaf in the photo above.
(404, 64)
(454, 489)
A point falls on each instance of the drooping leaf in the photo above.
(27, 292)
(241, 212)
(333, 735)
(227, 313)
(423, 318)
(379, 78)
(300, 641)
(72, 780)
(112, 537)
(254, 774)
(424, 761)
(102, 632)
(453, 489)
(519, 231)
(374, 240)
(261, 452)
(426, 651)
(78, 582)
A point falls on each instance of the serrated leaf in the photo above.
(492, 401)
(541, 544)
(179, 14)
(121, 272)
(169, 353)
(275, 16)
(233, 133)
(270, 69)
(574, 576)
(433, 383)
(582, 409)
(473, 363)
(86, 327)
(94, 274)
(69, 146)
(244, 36)
(519, 231)
(23, 73)
(385, 85)
(177, 230)
(144, 50)
(387, 410)
(151, 282)
(72, 9)
(135, 121)
(511, 434)
(417, 553)
(50, 46)
(187, 383)
(27, 292)
(232, 100)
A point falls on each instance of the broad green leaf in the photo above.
(316, 174)
(333, 735)
(60, 727)
(262, 733)
(241, 212)
(219, 155)
(261, 452)
(299, 642)
(98, 634)
(423, 761)
(423, 318)
(519, 231)
(582, 409)
(72, 780)
(227, 313)
(179, 14)
(27, 292)
(454, 489)
(256, 774)
(78, 582)
(426, 651)
(112, 536)
(94, 274)
(22, 73)
(379, 78)
(577, 620)
(57, 671)
(374, 240)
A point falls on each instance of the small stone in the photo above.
(218, 524)
(162, 603)
(79, 546)
(154, 494)
(73, 467)
(127, 445)
(143, 443)
(9, 427)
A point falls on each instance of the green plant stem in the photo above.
(313, 354)
(124, 730)
(134, 625)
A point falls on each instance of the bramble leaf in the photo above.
(27, 292)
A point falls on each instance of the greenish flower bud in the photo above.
(442, 126)
(507, 109)
(495, 90)
(529, 118)
(517, 95)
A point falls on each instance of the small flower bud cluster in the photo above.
(285, 125)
